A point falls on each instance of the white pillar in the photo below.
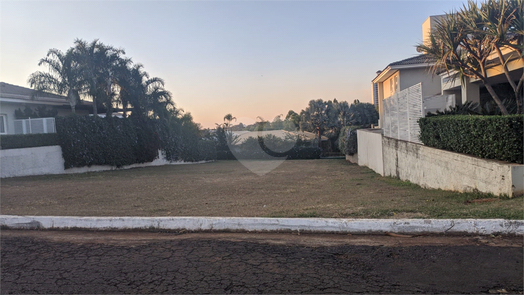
(470, 92)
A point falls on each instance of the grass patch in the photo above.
(297, 188)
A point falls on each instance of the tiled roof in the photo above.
(10, 90)
(419, 59)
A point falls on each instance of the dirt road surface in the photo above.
(153, 262)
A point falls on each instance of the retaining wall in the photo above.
(435, 168)
(48, 160)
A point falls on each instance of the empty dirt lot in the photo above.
(299, 188)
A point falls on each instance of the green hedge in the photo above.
(206, 150)
(18, 141)
(490, 137)
(347, 140)
(87, 141)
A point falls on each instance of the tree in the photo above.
(277, 123)
(344, 113)
(502, 21)
(318, 117)
(292, 121)
(224, 132)
(63, 77)
(98, 65)
(463, 42)
(362, 114)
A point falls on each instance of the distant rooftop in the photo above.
(419, 59)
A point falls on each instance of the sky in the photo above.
(247, 58)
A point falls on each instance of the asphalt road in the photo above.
(145, 262)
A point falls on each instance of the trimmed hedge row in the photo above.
(490, 137)
(87, 141)
(18, 141)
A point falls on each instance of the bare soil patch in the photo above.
(300, 188)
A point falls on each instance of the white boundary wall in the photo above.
(370, 149)
(440, 169)
(48, 160)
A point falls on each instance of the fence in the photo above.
(402, 110)
(38, 125)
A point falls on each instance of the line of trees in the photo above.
(324, 118)
(105, 75)
(467, 41)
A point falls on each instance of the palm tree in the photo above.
(460, 51)
(63, 77)
(159, 103)
(502, 21)
(146, 96)
(98, 63)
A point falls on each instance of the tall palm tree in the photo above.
(98, 63)
(63, 77)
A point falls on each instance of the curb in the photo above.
(317, 225)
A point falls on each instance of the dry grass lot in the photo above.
(300, 188)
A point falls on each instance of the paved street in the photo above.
(147, 262)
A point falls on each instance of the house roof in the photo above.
(421, 60)
(415, 60)
(18, 94)
(14, 91)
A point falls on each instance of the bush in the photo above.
(19, 141)
(206, 150)
(304, 152)
(490, 137)
(347, 141)
(87, 141)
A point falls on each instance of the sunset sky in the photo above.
(248, 58)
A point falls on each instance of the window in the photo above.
(3, 124)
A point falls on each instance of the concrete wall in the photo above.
(48, 160)
(370, 149)
(435, 168)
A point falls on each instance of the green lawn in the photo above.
(299, 188)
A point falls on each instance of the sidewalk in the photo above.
(315, 225)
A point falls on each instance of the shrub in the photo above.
(87, 141)
(206, 150)
(18, 141)
(490, 137)
(347, 141)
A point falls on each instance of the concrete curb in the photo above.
(325, 225)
